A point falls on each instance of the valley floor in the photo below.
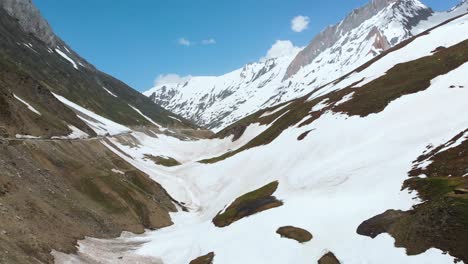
(329, 183)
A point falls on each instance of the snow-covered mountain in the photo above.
(371, 168)
(216, 102)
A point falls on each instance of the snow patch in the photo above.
(75, 134)
(107, 90)
(102, 126)
(65, 56)
(147, 118)
(28, 105)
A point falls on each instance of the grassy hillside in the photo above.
(31, 57)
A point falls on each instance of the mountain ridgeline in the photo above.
(36, 63)
(217, 102)
(353, 149)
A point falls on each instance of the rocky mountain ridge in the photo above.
(216, 102)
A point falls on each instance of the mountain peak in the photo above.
(412, 11)
(382, 3)
(30, 19)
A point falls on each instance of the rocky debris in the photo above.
(249, 204)
(328, 258)
(296, 233)
(205, 259)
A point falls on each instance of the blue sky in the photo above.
(136, 41)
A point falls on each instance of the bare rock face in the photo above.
(413, 9)
(30, 19)
(381, 42)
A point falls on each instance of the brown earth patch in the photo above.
(164, 161)
(205, 259)
(328, 258)
(54, 193)
(296, 233)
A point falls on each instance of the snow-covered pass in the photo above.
(347, 169)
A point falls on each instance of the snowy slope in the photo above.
(347, 170)
(221, 100)
(216, 102)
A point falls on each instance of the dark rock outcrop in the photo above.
(328, 258)
(296, 233)
(205, 259)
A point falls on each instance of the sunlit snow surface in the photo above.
(27, 105)
(102, 126)
(345, 171)
(66, 57)
(221, 100)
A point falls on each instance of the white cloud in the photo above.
(300, 23)
(281, 48)
(171, 78)
(184, 42)
(210, 41)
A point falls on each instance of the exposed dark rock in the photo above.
(303, 135)
(296, 233)
(206, 259)
(438, 49)
(328, 258)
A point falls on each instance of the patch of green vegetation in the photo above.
(249, 204)
(84, 87)
(291, 115)
(164, 161)
(403, 79)
(435, 187)
(441, 221)
(94, 191)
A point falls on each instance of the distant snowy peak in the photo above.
(463, 5)
(404, 12)
(216, 102)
